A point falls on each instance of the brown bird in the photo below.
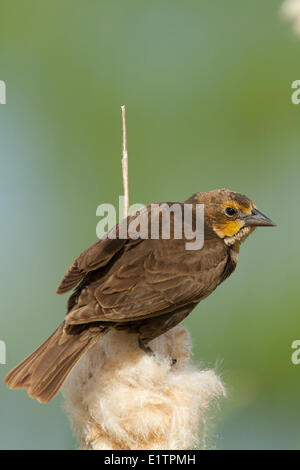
(145, 285)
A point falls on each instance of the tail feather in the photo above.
(17, 377)
(45, 370)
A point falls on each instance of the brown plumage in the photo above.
(146, 285)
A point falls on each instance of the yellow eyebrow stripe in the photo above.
(235, 205)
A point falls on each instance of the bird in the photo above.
(143, 285)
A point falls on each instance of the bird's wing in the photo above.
(151, 281)
(101, 253)
(94, 257)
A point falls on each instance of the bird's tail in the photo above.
(45, 370)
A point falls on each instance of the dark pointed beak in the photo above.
(257, 219)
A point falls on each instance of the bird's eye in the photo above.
(230, 211)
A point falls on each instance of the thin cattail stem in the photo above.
(125, 163)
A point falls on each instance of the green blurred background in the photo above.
(207, 85)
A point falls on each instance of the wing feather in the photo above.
(94, 257)
(153, 279)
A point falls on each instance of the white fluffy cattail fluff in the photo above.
(291, 10)
(118, 397)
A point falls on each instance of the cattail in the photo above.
(118, 397)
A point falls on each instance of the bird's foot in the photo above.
(146, 348)
(150, 352)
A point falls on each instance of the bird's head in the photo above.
(230, 215)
